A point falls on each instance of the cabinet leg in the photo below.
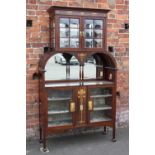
(41, 138)
(114, 134)
(43, 146)
(105, 130)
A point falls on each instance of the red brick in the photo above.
(59, 3)
(32, 1)
(32, 13)
(120, 1)
(103, 5)
(101, 1)
(122, 17)
(90, 5)
(31, 7)
(76, 4)
(122, 7)
(42, 13)
(43, 7)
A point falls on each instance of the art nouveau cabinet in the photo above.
(77, 75)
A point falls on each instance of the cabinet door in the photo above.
(69, 33)
(93, 30)
(100, 105)
(61, 107)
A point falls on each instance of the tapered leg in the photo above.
(114, 134)
(105, 130)
(41, 138)
(44, 144)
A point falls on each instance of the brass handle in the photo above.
(81, 33)
(72, 106)
(90, 105)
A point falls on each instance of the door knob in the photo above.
(72, 106)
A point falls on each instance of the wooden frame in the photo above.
(80, 88)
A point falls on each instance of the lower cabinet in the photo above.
(74, 107)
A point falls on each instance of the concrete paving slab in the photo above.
(85, 144)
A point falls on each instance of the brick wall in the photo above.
(37, 38)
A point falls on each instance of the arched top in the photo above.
(44, 59)
(104, 58)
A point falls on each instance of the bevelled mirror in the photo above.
(62, 66)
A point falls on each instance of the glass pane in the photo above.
(64, 22)
(88, 24)
(98, 24)
(64, 42)
(88, 43)
(97, 43)
(97, 33)
(74, 70)
(88, 33)
(100, 116)
(58, 107)
(74, 33)
(74, 23)
(64, 32)
(60, 119)
(74, 43)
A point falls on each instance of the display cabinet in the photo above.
(77, 85)
(77, 29)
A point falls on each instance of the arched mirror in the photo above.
(62, 66)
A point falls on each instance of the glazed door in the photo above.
(68, 33)
(100, 103)
(61, 107)
(93, 33)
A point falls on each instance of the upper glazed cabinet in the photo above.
(74, 29)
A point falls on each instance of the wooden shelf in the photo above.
(58, 99)
(84, 83)
(107, 107)
(52, 112)
(100, 96)
(100, 119)
(59, 123)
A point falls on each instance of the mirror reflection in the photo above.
(90, 68)
(62, 66)
(93, 69)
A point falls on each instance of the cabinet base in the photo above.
(114, 140)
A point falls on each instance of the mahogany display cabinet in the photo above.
(77, 85)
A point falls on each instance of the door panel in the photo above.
(61, 107)
(93, 33)
(101, 103)
(69, 32)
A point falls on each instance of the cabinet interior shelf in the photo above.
(51, 112)
(102, 108)
(59, 123)
(99, 96)
(100, 119)
(58, 99)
